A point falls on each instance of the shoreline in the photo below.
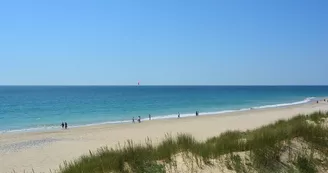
(161, 117)
(47, 150)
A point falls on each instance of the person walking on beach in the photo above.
(149, 117)
(65, 125)
(133, 120)
(196, 113)
(178, 114)
(62, 124)
(139, 119)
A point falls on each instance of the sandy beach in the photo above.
(43, 151)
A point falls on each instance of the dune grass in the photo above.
(265, 145)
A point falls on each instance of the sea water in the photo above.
(28, 108)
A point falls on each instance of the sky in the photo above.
(164, 42)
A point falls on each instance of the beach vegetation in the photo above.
(292, 145)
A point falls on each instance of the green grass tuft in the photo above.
(305, 165)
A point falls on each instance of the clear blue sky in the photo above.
(172, 42)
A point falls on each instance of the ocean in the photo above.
(31, 108)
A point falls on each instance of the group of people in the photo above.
(139, 119)
(64, 125)
(323, 100)
(149, 116)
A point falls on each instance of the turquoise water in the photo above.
(45, 107)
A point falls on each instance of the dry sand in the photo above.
(46, 150)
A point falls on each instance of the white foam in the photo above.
(309, 99)
(46, 128)
(33, 129)
(286, 104)
(102, 123)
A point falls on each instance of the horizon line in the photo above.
(72, 85)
